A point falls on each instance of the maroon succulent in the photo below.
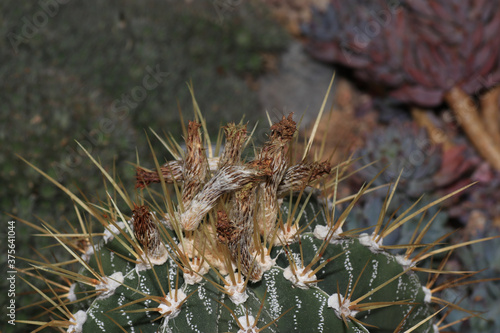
(419, 49)
(423, 52)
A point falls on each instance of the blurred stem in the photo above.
(437, 135)
(468, 117)
(491, 113)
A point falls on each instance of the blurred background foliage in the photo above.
(103, 72)
(83, 74)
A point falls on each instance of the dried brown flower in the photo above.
(240, 192)
(147, 234)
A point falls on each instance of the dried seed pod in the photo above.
(171, 171)
(196, 167)
(274, 153)
(228, 179)
(301, 175)
(225, 229)
(147, 234)
(235, 137)
(241, 218)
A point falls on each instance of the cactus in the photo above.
(242, 246)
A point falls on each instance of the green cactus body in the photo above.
(237, 251)
(308, 303)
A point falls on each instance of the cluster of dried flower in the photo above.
(244, 196)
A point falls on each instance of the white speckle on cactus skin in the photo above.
(202, 295)
(95, 309)
(374, 275)
(348, 267)
(367, 240)
(401, 288)
(275, 307)
(109, 284)
(322, 299)
(143, 284)
(299, 279)
(248, 325)
(121, 301)
(428, 295)
(80, 319)
(298, 307)
(341, 308)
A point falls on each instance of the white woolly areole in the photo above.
(88, 253)
(237, 292)
(323, 231)
(367, 240)
(144, 264)
(187, 246)
(300, 280)
(80, 319)
(194, 276)
(405, 262)
(341, 308)
(428, 294)
(161, 259)
(174, 308)
(248, 325)
(435, 328)
(111, 231)
(109, 285)
(71, 293)
(265, 264)
(287, 236)
(158, 258)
